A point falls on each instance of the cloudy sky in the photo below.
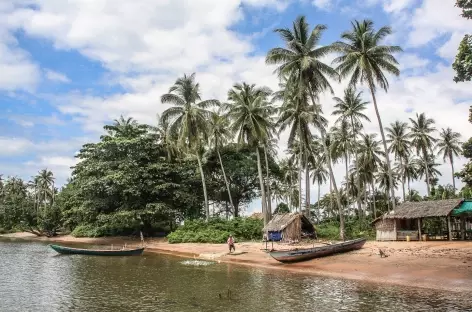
(69, 67)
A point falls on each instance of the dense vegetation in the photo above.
(207, 159)
(463, 62)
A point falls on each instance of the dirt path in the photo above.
(434, 265)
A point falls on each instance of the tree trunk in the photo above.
(426, 169)
(403, 178)
(452, 168)
(224, 177)
(307, 186)
(409, 188)
(205, 195)
(319, 195)
(358, 178)
(290, 194)
(387, 156)
(347, 178)
(374, 200)
(261, 181)
(331, 174)
(269, 197)
(300, 170)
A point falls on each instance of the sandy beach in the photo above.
(435, 265)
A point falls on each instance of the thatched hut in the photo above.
(407, 219)
(289, 227)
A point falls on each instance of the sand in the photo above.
(438, 265)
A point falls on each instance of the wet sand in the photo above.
(438, 265)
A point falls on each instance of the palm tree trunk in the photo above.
(330, 168)
(387, 157)
(358, 178)
(319, 195)
(290, 193)
(409, 189)
(426, 169)
(452, 168)
(261, 181)
(347, 177)
(307, 186)
(300, 170)
(205, 195)
(269, 197)
(403, 178)
(374, 199)
(224, 177)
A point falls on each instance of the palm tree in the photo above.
(250, 113)
(188, 119)
(342, 145)
(409, 170)
(367, 62)
(383, 179)
(351, 108)
(421, 131)
(122, 127)
(449, 146)
(300, 61)
(319, 175)
(162, 131)
(219, 133)
(289, 174)
(45, 186)
(399, 144)
(427, 168)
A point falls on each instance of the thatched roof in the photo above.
(280, 221)
(257, 215)
(423, 209)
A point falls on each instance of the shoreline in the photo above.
(440, 266)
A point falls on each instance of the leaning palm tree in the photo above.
(449, 146)
(188, 120)
(399, 144)
(219, 133)
(250, 113)
(300, 61)
(350, 108)
(421, 134)
(366, 61)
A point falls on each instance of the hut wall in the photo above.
(292, 233)
(385, 230)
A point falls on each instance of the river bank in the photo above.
(434, 265)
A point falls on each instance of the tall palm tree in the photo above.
(399, 144)
(188, 119)
(383, 179)
(366, 61)
(409, 170)
(351, 108)
(342, 145)
(45, 183)
(319, 174)
(421, 134)
(289, 174)
(250, 113)
(428, 168)
(219, 133)
(162, 131)
(449, 146)
(300, 60)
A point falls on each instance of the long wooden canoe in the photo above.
(97, 252)
(296, 255)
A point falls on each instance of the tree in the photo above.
(399, 145)
(300, 61)
(281, 208)
(449, 147)
(188, 119)
(350, 108)
(366, 61)
(463, 62)
(319, 175)
(421, 131)
(250, 114)
(342, 145)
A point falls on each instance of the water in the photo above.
(33, 277)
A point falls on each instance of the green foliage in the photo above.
(281, 208)
(466, 6)
(354, 227)
(463, 62)
(217, 231)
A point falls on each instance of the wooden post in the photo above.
(462, 227)
(395, 228)
(419, 229)
(449, 229)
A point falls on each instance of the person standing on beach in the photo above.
(230, 242)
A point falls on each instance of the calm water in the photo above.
(34, 278)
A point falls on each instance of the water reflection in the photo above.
(35, 279)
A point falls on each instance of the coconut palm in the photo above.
(319, 174)
(250, 113)
(399, 145)
(351, 108)
(219, 133)
(449, 146)
(366, 61)
(421, 134)
(428, 168)
(188, 120)
(45, 187)
(300, 60)
(342, 145)
(383, 179)
(162, 131)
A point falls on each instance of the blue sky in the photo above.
(69, 67)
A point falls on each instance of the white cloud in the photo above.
(323, 4)
(397, 5)
(411, 61)
(56, 76)
(10, 146)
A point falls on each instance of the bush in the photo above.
(353, 227)
(217, 231)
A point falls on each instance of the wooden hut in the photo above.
(289, 227)
(407, 220)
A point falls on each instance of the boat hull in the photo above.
(297, 255)
(94, 252)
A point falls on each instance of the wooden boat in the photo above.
(296, 255)
(97, 252)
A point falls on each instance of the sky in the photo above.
(69, 67)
